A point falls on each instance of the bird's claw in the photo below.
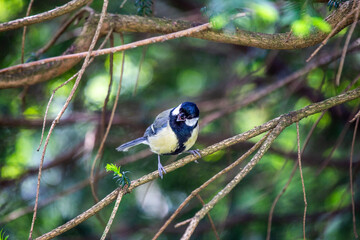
(196, 153)
(161, 169)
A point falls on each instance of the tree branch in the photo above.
(76, 84)
(35, 72)
(221, 194)
(292, 117)
(42, 72)
(204, 185)
(124, 23)
(41, 17)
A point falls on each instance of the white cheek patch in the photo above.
(191, 122)
(176, 111)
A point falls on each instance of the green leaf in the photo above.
(301, 27)
(315, 78)
(112, 168)
(2, 235)
(321, 24)
(267, 12)
(219, 21)
(119, 175)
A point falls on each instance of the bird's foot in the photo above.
(196, 153)
(161, 169)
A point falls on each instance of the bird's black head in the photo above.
(186, 112)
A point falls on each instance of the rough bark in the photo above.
(29, 75)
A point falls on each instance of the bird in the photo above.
(173, 131)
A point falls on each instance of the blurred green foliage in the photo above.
(213, 75)
(10, 8)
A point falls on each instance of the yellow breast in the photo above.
(164, 142)
(192, 139)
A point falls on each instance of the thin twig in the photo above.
(48, 106)
(21, 82)
(351, 179)
(101, 148)
(301, 175)
(356, 116)
(204, 185)
(295, 116)
(23, 94)
(210, 219)
(57, 119)
(307, 139)
(346, 45)
(337, 144)
(22, 97)
(182, 223)
(335, 29)
(343, 132)
(123, 3)
(260, 93)
(24, 31)
(113, 213)
(111, 69)
(139, 69)
(60, 86)
(41, 17)
(28, 209)
(22, 211)
(151, 176)
(271, 213)
(222, 193)
(292, 174)
(102, 119)
(60, 31)
(121, 48)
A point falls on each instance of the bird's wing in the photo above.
(160, 122)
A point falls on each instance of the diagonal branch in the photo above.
(204, 185)
(346, 45)
(302, 177)
(76, 84)
(112, 216)
(102, 144)
(260, 93)
(351, 179)
(41, 17)
(32, 73)
(8, 72)
(239, 37)
(291, 118)
(226, 190)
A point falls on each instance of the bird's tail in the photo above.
(132, 143)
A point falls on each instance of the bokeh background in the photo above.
(213, 75)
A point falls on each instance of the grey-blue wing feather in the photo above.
(160, 122)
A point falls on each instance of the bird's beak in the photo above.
(180, 117)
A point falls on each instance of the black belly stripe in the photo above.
(183, 133)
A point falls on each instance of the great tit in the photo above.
(174, 131)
